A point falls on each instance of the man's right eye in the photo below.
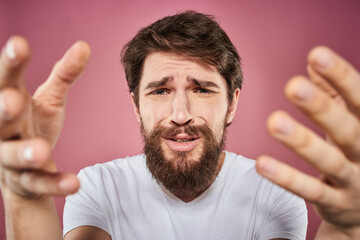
(160, 92)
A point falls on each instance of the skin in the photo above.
(36, 122)
(336, 193)
(177, 91)
(180, 100)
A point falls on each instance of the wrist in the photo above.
(24, 215)
(16, 199)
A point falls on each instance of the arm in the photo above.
(87, 232)
(336, 193)
(29, 128)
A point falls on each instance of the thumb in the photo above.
(64, 74)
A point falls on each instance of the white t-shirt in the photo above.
(123, 199)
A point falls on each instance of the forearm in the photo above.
(329, 232)
(31, 219)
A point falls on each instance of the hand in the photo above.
(30, 126)
(335, 195)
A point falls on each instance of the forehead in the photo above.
(160, 65)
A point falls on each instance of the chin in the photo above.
(183, 160)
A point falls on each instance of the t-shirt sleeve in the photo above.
(84, 207)
(287, 217)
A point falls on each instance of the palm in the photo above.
(47, 118)
(48, 103)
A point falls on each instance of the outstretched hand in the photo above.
(331, 99)
(30, 126)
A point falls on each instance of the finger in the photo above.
(53, 184)
(35, 184)
(25, 154)
(13, 60)
(325, 86)
(11, 104)
(340, 73)
(301, 184)
(342, 126)
(323, 156)
(11, 108)
(64, 74)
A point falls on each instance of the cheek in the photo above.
(153, 114)
(214, 117)
(212, 113)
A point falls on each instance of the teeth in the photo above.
(182, 140)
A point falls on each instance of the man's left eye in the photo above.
(203, 90)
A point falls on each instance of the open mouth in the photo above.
(182, 140)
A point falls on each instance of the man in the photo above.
(184, 76)
(184, 98)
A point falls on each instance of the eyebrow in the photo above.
(165, 80)
(160, 83)
(202, 83)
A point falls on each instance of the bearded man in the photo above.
(184, 77)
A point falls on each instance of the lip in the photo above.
(182, 145)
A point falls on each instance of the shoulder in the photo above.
(239, 166)
(281, 211)
(109, 175)
(241, 178)
(117, 166)
(240, 172)
(239, 159)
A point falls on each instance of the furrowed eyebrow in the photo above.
(203, 83)
(160, 83)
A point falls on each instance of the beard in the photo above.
(182, 173)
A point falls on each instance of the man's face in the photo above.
(183, 109)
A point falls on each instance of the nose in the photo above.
(180, 115)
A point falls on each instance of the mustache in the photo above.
(169, 132)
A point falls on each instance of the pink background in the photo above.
(272, 37)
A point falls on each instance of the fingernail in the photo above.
(10, 50)
(267, 166)
(323, 58)
(304, 91)
(3, 109)
(28, 154)
(283, 125)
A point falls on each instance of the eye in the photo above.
(203, 91)
(160, 92)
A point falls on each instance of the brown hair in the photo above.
(195, 35)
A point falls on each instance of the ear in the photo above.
(136, 108)
(233, 106)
